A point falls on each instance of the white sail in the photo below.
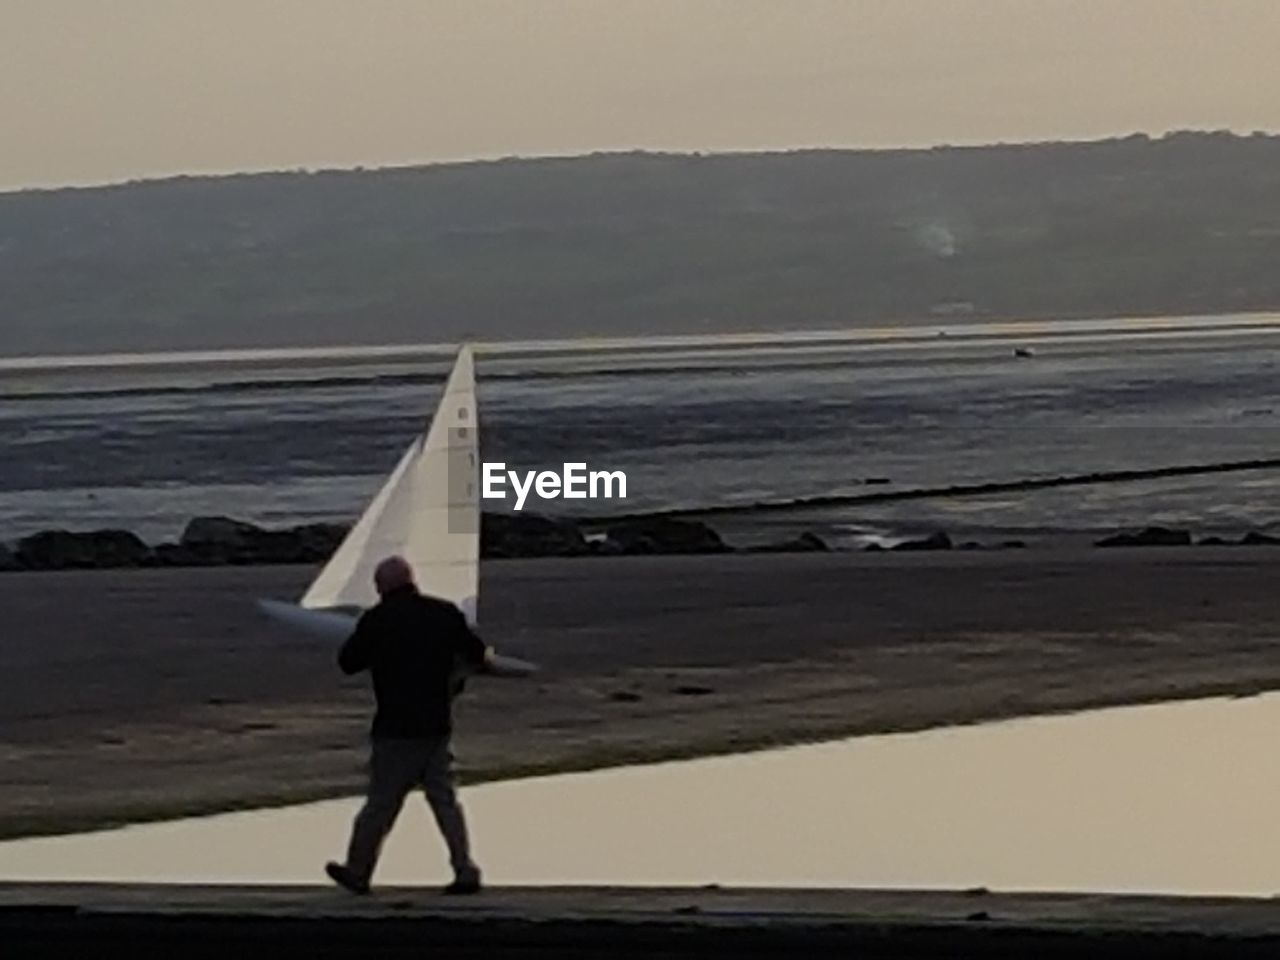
(427, 512)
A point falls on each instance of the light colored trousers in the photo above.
(396, 768)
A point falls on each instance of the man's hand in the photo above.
(497, 665)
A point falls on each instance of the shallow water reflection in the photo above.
(1171, 798)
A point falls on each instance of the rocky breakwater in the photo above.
(659, 535)
(211, 541)
(218, 541)
(1169, 537)
(64, 550)
(1148, 537)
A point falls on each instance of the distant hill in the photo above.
(644, 243)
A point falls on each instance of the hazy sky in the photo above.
(101, 90)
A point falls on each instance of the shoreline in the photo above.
(178, 700)
(912, 329)
(212, 541)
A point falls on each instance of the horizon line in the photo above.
(150, 179)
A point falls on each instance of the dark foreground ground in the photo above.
(140, 694)
(76, 921)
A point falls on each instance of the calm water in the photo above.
(288, 437)
(1172, 798)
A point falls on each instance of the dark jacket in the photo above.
(412, 644)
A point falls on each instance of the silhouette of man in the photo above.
(412, 645)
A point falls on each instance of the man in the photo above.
(411, 644)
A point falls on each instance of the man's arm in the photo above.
(357, 653)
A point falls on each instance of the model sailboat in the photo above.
(427, 511)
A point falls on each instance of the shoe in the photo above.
(463, 886)
(341, 875)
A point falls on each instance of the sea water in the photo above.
(285, 437)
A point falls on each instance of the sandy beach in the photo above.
(143, 694)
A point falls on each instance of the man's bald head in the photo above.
(392, 574)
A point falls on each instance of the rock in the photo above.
(936, 541)
(873, 548)
(291, 545)
(529, 535)
(876, 481)
(625, 696)
(211, 540)
(1256, 539)
(1148, 537)
(219, 533)
(1013, 545)
(176, 555)
(1212, 542)
(692, 690)
(319, 540)
(8, 560)
(62, 549)
(215, 540)
(602, 546)
(664, 535)
(971, 545)
(805, 543)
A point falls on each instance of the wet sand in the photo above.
(141, 694)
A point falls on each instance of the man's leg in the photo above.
(392, 771)
(437, 783)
